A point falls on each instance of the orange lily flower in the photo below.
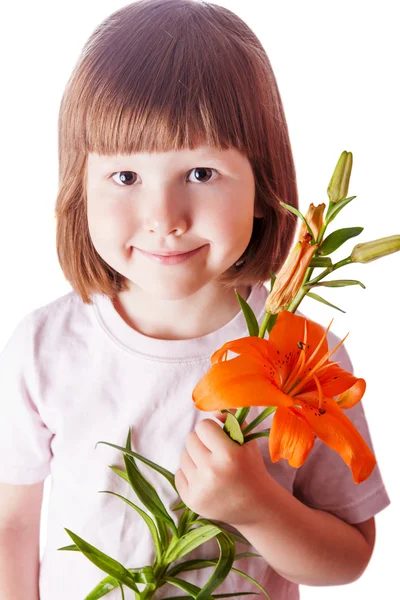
(291, 370)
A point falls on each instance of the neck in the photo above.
(201, 313)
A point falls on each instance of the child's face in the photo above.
(165, 202)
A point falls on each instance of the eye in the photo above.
(127, 177)
(202, 171)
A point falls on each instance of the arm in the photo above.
(20, 507)
(306, 545)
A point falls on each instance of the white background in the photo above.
(337, 66)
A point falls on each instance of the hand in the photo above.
(221, 480)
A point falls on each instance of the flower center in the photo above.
(301, 373)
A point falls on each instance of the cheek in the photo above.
(235, 226)
(109, 222)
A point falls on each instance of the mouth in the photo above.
(171, 258)
(164, 254)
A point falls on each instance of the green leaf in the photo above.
(186, 519)
(147, 519)
(272, 280)
(228, 595)
(119, 472)
(337, 238)
(335, 209)
(192, 589)
(302, 217)
(251, 320)
(71, 547)
(200, 564)
(335, 283)
(167, 474)
(232, 428)
(254, 436)
(320, 261)
(236, 536)
(163, 532)
(190, 541)
(223, 567)
(146, 493)
(180, 505)
(103, 588)
(142, 575)
(105, 563)
(316, 297)
(260, 587)
(272, 322)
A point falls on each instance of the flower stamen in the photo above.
(319, 344)
(321, 409)
(299, 366)
(307, 378)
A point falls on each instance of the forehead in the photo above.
(204, 152)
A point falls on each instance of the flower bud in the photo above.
(339, 183)
(291, 275)
(368, 251)
(315, 218)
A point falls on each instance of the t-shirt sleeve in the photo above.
(324, 481)
(24, 437)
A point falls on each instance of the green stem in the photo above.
(325, 223)
(258, 434)
(263, 415)
(242, 413)
(302, 291)
(264, 324)
(341, 263)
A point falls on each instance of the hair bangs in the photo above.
(182, 86)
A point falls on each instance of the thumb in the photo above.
(219, 415)
(222, 417)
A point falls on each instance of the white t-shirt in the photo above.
(73, 374)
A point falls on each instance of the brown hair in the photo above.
(155, 76)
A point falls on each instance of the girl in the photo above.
(170, 178)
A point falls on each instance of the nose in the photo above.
(164, 212)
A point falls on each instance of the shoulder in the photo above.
(48, 326)
(59, 312)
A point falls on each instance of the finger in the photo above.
(212, 436)
(181, 483)
(187, 465)
(196, 449)
(222, 417)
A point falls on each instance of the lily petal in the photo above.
(251, 344)
(238, 382)
(352, 395)
(336, 430)
(334, 381)
(290, 437)
(285, 335)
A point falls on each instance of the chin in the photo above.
(168, 289)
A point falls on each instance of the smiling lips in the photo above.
(171, 258)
